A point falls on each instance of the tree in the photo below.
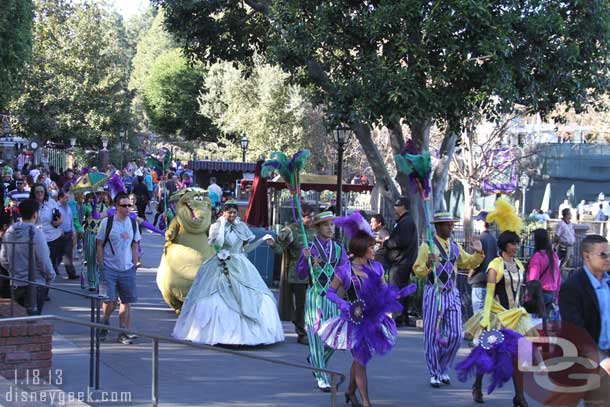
(169, 96)
(76, 82)
(275, 115)
(152, 42)
(409, 61)
(15, 44)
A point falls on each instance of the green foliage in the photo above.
(76, 83)
(264, 106)
(169, 94)
(379, 62)
(15, 44)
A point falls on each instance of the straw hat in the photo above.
(323, 216)
(441, 217)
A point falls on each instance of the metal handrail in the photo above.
(94, 342)
(155, 352)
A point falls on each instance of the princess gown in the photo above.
(229, 303)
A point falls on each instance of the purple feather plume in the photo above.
(370, 335)
(354, 224)
(146, 224)
(94, 213)
(497, 361)
(85, 170)
(115, 185)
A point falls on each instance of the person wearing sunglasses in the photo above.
(117, 257)
(584, 302)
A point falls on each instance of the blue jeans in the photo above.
(478, 299)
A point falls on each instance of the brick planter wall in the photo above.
(24, 346)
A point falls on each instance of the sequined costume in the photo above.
(505, 310)
(368, 328)
(327, 257)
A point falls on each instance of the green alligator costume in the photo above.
(186, 245)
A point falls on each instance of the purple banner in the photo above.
(504, 180)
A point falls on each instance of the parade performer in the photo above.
(441, 305)
(229, 303)
(186, 245)
(290, 243)
(94, 209)
(364, 325)
(319, 263)
(502, 318)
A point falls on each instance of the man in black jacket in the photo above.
(401, 252)
(584, 301)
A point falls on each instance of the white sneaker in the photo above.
(445, 379)
(434, 382)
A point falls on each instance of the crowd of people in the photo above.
(340, 295)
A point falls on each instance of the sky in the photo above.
(128, 8)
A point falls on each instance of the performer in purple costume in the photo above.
(365, 325)
(441, 304)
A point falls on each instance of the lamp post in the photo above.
(244, 147)
(524, 180)
(122, 145)
(342, 135)
(104, 151)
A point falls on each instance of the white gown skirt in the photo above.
(230, 304)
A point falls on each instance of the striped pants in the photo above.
(319, 354)
(439, 357)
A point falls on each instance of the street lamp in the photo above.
(244, 147)
(524, 180)
(122, 145)
(342, 134)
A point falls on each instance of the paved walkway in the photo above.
(191, 377)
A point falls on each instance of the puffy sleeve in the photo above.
(344, 268)
(469, 261)
(302, 268)
(420, 268)
(498, 265)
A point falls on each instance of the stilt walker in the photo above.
(436, 264)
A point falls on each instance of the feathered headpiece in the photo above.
(354, 224)
(115, 185)
(289, 168)
(505, 216)
(417, 166)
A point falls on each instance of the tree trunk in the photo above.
(441, 173)
(420, 134)
(468, 205)
(382, 176)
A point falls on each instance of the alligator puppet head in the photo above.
(193, 209)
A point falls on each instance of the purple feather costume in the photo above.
(374, 332)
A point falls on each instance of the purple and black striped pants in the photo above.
(439, 357)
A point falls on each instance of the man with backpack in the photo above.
(117, 254)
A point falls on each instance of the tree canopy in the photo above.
(76, 82)
(169, 92)
(413, 62)
(15, 44)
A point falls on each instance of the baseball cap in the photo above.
(403, 201)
